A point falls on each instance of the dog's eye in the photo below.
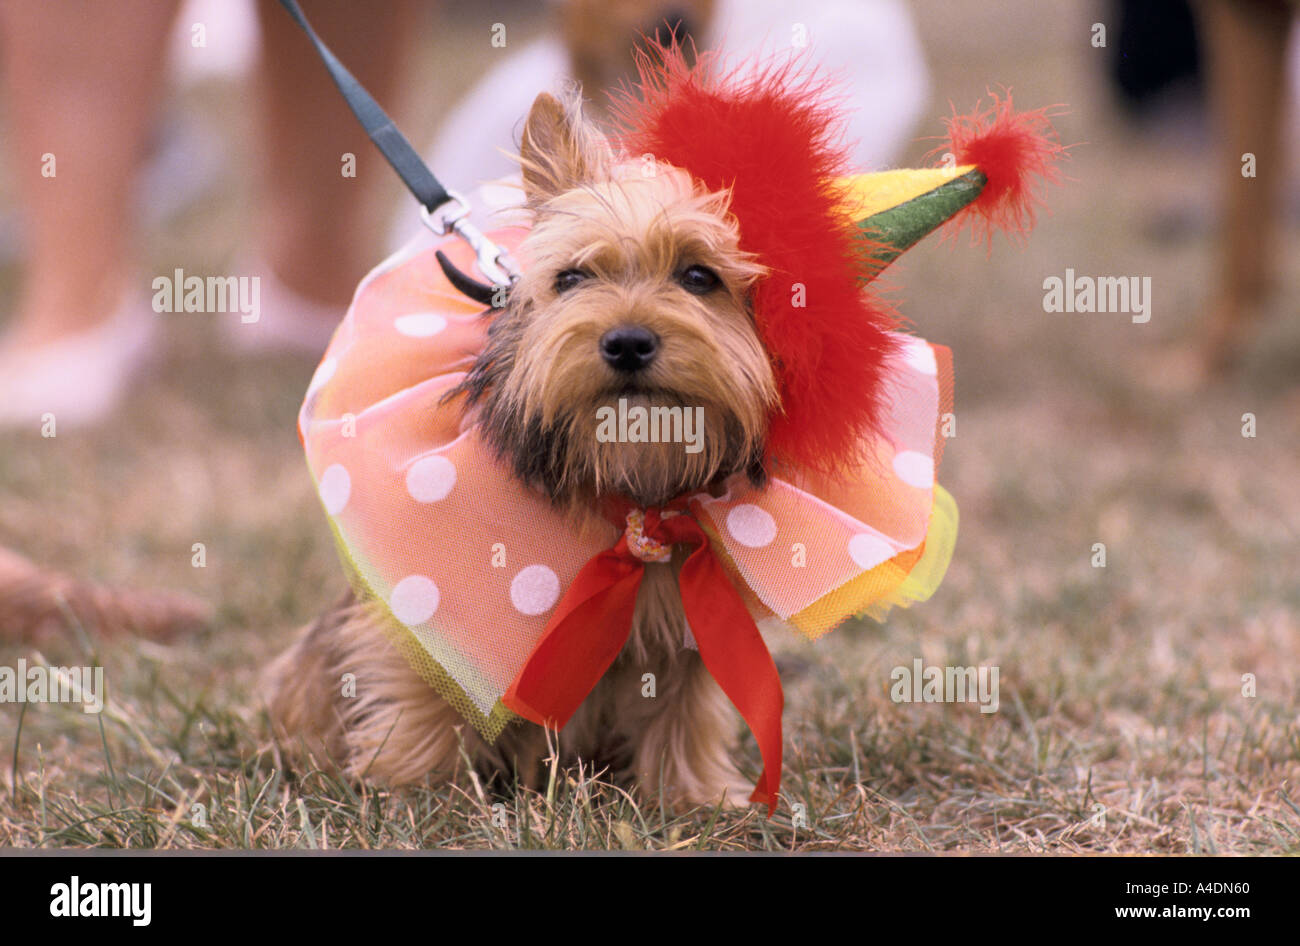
(698, 280)
(570, 279)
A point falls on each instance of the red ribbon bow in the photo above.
(594, 618)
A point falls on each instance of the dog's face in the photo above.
(635, 290)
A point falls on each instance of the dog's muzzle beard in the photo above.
(565, 459)
(549, 438)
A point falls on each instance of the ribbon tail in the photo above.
(582, 638)
(734, 653)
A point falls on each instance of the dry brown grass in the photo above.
(1120, 686)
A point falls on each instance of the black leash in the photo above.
(443, 211)
(390, 142)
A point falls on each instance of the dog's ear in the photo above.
(560, 149)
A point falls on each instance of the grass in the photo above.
(1121, 687)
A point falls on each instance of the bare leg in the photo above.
(82, 80)
(319, 227)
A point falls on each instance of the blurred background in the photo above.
(169, 529)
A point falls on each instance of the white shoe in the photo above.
(285, 321)
(79, 379)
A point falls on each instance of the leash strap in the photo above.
(494, 262)
(391, 143)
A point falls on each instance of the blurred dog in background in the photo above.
(1247, 45)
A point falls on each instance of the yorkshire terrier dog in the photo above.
(636, 289)
(711, 260)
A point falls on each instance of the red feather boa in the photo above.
(1018, 152)
(773, 137)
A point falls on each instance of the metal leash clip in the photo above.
(494, 262)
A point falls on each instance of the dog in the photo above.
(709, 261)
(599, 35)
(636, 290)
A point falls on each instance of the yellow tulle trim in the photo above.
(488, 725)
(906, 578)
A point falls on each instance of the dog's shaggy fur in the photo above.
(614, 244)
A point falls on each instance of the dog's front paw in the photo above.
(732, 794)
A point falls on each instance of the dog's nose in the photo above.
(629, 348)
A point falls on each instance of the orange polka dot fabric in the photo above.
(466, 564)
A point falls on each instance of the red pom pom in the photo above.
(1018, 153)
(772, 137)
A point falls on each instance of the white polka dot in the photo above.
(920, 357)
(414, 600)
(751, 526)
(535, 590)
(420, 324)
(335, 488)
(868, 550)
(915, 469)
(323, 373)
(430, 479)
